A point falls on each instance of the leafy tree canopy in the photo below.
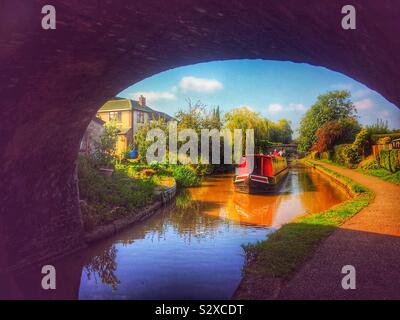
(333, 105)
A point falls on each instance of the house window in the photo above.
(140, 117)
(115, 116)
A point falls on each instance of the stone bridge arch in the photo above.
(53, 81)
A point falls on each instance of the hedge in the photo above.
(394, 160)
(389, 160)
(346, 154)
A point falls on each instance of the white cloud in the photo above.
(297, 107)
(152, 96)
(275, 108)
(362, 93)
(364, 104)
(199, 84)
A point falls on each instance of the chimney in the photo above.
(142, 101)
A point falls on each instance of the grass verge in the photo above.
(375, 172)
(287, 248)
(382, 174)
(104, 199)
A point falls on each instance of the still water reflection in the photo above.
(193, 249)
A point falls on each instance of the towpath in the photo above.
(370, 241)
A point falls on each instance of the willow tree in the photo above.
(243, 118)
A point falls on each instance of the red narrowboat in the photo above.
(266, 176)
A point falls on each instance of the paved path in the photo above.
(370, 241)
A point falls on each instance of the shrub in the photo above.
(338, 153)
(345, 154)
(105, 148)
(394, 160)
(351, 156)
(204, 168)
(327, 135)
(369, 164)
(104, 199)
(185, 176)
(384, 159)
(161, 168)
(362, 139)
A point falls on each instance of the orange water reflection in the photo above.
(304, 191)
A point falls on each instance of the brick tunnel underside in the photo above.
(53, 82)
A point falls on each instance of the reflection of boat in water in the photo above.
(258, 173)
(253, 209)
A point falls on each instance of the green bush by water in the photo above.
(104, 199)
(185, 176)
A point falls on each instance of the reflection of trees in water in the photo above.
(303, 177)
(193, 218)
(187, 219)
(323, 194)
(104, 266)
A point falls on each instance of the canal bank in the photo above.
(163, 195)
(316, 271)
(193, 248)
(369, 241)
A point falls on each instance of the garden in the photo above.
(111, 188)
(330, 132)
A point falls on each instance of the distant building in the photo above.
(129, 115)
(92, 135)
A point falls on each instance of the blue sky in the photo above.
(275, 89)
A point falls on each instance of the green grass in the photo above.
(332, 162)
(383, 174)
(375, 172)
(104, 199)
(287, 248)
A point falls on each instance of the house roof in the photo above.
(158, 114)
(115, 104)
(121, 104)
(137, 106)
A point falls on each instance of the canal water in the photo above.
(193, 249)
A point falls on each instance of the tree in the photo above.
(105, 148)
(336, 132)
(380, 127)
(141, 134)
(243, 118)
(193, 117)
(328, 135)
(280, 131)
(333, 105)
